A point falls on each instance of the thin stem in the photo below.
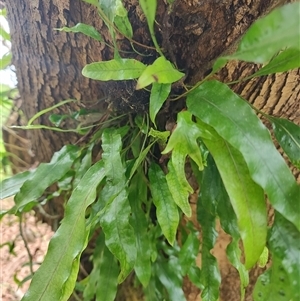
(44, 213)
(26, 245)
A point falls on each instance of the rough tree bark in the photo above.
(192, 34)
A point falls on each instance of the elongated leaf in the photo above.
(282, 281)
(114, 219)
(121, 19)
(140, 159)
(234, 255)
(67, 243)
(142, 124)
(213, 190)
(287, 134)
(44, 176)
(109, 8)
(124, 26)
(286, 60)
(92, 279)
(194, 275)
(210, 277)
(189, 251)
(220, 204)
(161, 71)
(149, 9)
(159, 93)
(152, 292)
(108, 11)
(278, 30)
(215, 104)
(169, 275)
(12, 185)
(227, 217)
(120, 69)
(178, 185)
(68, 286)
(138, 195)
(86, 29)
(103, 280)
(166, 209)
(108, 278)
(247, 198)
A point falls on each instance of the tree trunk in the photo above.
(192, 34)
(49, 63)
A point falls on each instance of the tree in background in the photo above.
(148, 146)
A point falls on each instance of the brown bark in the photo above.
(48, 63)
(192, 34)
(200, 31)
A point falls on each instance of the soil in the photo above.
(14, 259)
